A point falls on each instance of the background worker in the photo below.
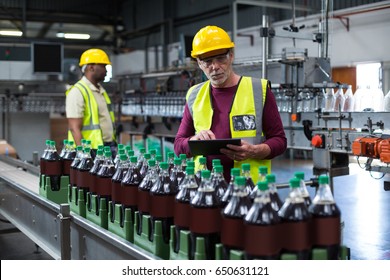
(88, 106)
(219, 107)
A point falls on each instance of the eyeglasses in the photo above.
(221, 59)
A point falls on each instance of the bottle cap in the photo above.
(100, 147)
(300, 175)
(190, 163)
(270, 178)
(177, 161)
(142, 150)
(121, 152)
(240, 180)
(183, 156)
(123, 157)
(99, 152)
(121, 146)
(159, 158)
(263, 169)
(323, 179)
(65, 141)
(202, 160)
(295, 182)
(79, 148)
(130, 153)
(133, 159)
(147, 156)
(107, 148)
(190, 170)
(205, 174)
(218, 168)
(171, 155)
(153, 151)
(164, 165)
(235, 172)
(107, 154)
(151, 162)
(87, 150)
(262, 185)
(216, 161)
(246, 166)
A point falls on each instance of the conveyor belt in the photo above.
(61, 233)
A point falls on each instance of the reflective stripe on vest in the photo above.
(244, 105)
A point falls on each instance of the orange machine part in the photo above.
(316, 141)
(384, 150)
(366, 147)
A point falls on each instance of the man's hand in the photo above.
(246, 151)
(204, 135)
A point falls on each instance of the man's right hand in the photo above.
(204, 135)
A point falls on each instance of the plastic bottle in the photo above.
(296, 220)
(218, 181)
(42, 160)
(387, 102)
(202, 166)
(162, 200)
(117, 157)
(378, 99)
(349, 100)
(68, 158)
(83, 169)
(64, 148)
(329, 100)
(262, 227)
(303, 188)
(97, 162)
(120, 173)
(53, 166)
(263, 170)
(246, 172)
(177, 173)
(182, 205)
(144, 187)
(130, 184)
(276, 202)
(339, 100)
(143, 167)
(183, 158)
(205, 217)
(234, 172)
(73, 167)
(170, 161)
(232, 223)
(141, 160)
(104, 177)
(326, 217)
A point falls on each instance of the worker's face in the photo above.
(217, 66)
(98, 71)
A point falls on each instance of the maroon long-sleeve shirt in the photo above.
(222, 99)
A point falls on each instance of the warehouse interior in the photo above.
(307, 49)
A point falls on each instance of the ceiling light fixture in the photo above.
(77, 36)
(11, 33)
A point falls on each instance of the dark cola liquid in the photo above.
(67, 162)
(205, 221)
(232, 227)
(182, 212)
(143, 202)
(73, 172)
(93, 175)
(220, 187)
(116, 193)
(262, 232)
(130, 184)
(307, 200)
(276, 202)
(326, 227)
(103, 183)
(227, 195)
(176, 177)
(249, 186)
(162, 199)
(53, 169)
(83, 177)
(296, 218)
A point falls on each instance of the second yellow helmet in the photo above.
(94, 56)
(210, 38)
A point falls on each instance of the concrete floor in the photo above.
(361, 198)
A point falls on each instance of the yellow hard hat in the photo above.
(94, 56)
(210, 38)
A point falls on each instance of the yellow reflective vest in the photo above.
(91, 126)
(245, 116)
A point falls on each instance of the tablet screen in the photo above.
(210, 147)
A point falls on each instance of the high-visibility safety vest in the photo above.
(91, 126)
(245, 115)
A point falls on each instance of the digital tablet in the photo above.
(210, 147)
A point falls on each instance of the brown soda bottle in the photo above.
(205, 217)
(246, 172)
(296, 218)
(130, 183)
(120, 172)
(117, 156)
(53, 167)
(234, 172)
(218, 182)
(232, 226)
(73, 167)
(303, 188)
(83, 169)
(42, 160)
(64, 148)
(104, 177)
(141, 159)
(183, 158)
(326, 219)
(202, 166)
(162, 199)
(144, 165)
(177, 173)
(144, 187)
(97, 162)
(276, 202)
(188, 188)
(68, 158)
(261, 227)
(170, 161)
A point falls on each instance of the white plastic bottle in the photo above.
(329, 100)
(377, 99)
(387, 102)
(339, 100)
(349, 100)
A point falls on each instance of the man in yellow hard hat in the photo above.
(88, 106)
(225, 105)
